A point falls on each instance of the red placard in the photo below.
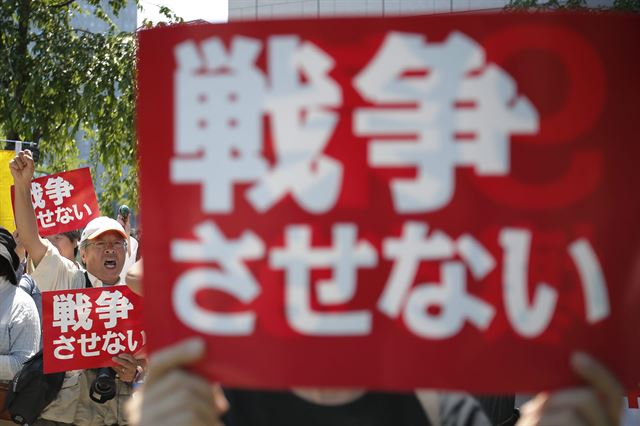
(85, 328)
(63, 201)
(443, 201)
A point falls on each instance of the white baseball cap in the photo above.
(99, 226)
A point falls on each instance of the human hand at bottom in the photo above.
(172, 396)
(598, 404)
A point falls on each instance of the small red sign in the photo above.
(63, 201)
(85, 328)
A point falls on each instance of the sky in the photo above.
(209, 10)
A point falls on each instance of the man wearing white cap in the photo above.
(103, 247)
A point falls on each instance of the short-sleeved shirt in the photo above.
(129, 259)
(26, 283)
(72, 405)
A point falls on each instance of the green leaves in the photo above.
(627, 5)
(545, 5)
(61, 83)
(621, 5)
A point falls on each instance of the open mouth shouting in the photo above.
(110, 264)
(104, 256)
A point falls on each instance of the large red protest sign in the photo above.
(85, 328)
(63, 201)
(438, 202)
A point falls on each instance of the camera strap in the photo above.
(87, 281)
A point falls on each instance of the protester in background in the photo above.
(103, 246)
(132, 243)
(67, 244)
(26, 281)
(134, 278)
(138, 234)
(19, 320)
(21, 252)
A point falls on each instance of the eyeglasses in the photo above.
(103, 245)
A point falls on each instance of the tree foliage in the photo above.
(60, 83)
(619, 5)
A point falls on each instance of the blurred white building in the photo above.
(270, 9)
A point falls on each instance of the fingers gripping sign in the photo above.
(598, 403)
(172, 396)
(126, 367)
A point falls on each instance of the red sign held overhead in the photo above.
(85, 328)
(63, 201)
(395, 203)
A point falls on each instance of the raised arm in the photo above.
(22, 169)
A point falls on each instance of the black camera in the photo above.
(103, 388)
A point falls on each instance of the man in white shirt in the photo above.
(103, 247)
